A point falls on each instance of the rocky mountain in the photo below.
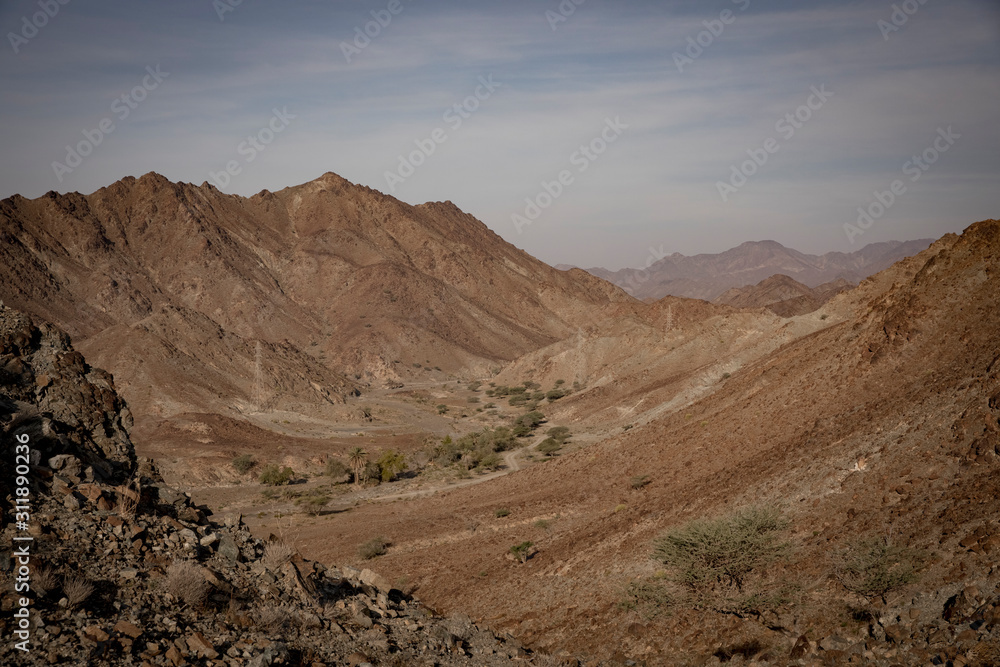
(125, 570)
(197, 300)
(878, 425)
(707, 276)
(782, 295)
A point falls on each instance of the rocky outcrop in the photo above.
(121, 569)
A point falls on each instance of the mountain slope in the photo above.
(197, 299)
(885, 421)
(706, 276)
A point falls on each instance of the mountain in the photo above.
(782, 295)
(707, 276)
(881, 422)
(198, 300)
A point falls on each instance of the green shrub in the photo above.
(522, 551)
(491, 461)
(313, 503)
(721, 561)
(873, 568)
(558, 433)
(390, 464)
(376, 546)
(501, 512)
(442, 409)
(549, 446)
(336, 469)
(555, 394)
(275, 475)
(244, 463)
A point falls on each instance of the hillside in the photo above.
(706, 276)
(122, 569)
(293, 300)
(884, 422)
(782, 295)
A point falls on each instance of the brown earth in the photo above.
(782, 295)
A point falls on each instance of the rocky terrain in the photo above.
(782, 295)
(852, 415)
(201, 301)
(707, 276)
(125, 570)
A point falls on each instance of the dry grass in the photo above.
(276, 554)
(186, 581)
(127, 496)
(77, 590)
(45, 581)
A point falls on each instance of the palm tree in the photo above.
(358, 459)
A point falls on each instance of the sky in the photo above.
(587, 132)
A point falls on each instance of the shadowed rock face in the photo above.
(65, 405)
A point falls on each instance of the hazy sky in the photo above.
(651, 112)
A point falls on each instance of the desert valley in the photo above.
(379, 433)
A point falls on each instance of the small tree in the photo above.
(522, 551)
(244, 463)
(873, 568)
(720, 560)
(358, 459)
(275, 475)
(390, 464)
(336, 469)
(549, 446)
(376, 546)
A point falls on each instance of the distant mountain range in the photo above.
(707, 276)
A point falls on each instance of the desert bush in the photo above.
(647, 598)
(44, 581)
(276, 554)
(522, 551)
(127, 499)
(313, 503)
(491, 461)
(186, 581)
(501, 512)
(273, 618)
(372, 473)
(335, 469)
(720, 561)
(376, 546)
(639, 481)
(549, 446)
(77, 590)
(558, 433)
(555, 394)
(275, 475)
(244, 463)
(390, 464)
(442, 409)
(875, 567)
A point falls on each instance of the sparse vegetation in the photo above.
(335, 469)
(276, 554)
(442, 409)
(548, 446)
(275, 475)
(77, 590)
(186, 582)
(639, 481)
(720, 561)
(647, 598)
(390, 464)
(244, 463)
(374, 547)
(44, 581)
(875, 567)
(313, 503)
(522, 551)
(501, 512)
(358, 458)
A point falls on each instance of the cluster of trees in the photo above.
(529, 394)
(480, 449)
